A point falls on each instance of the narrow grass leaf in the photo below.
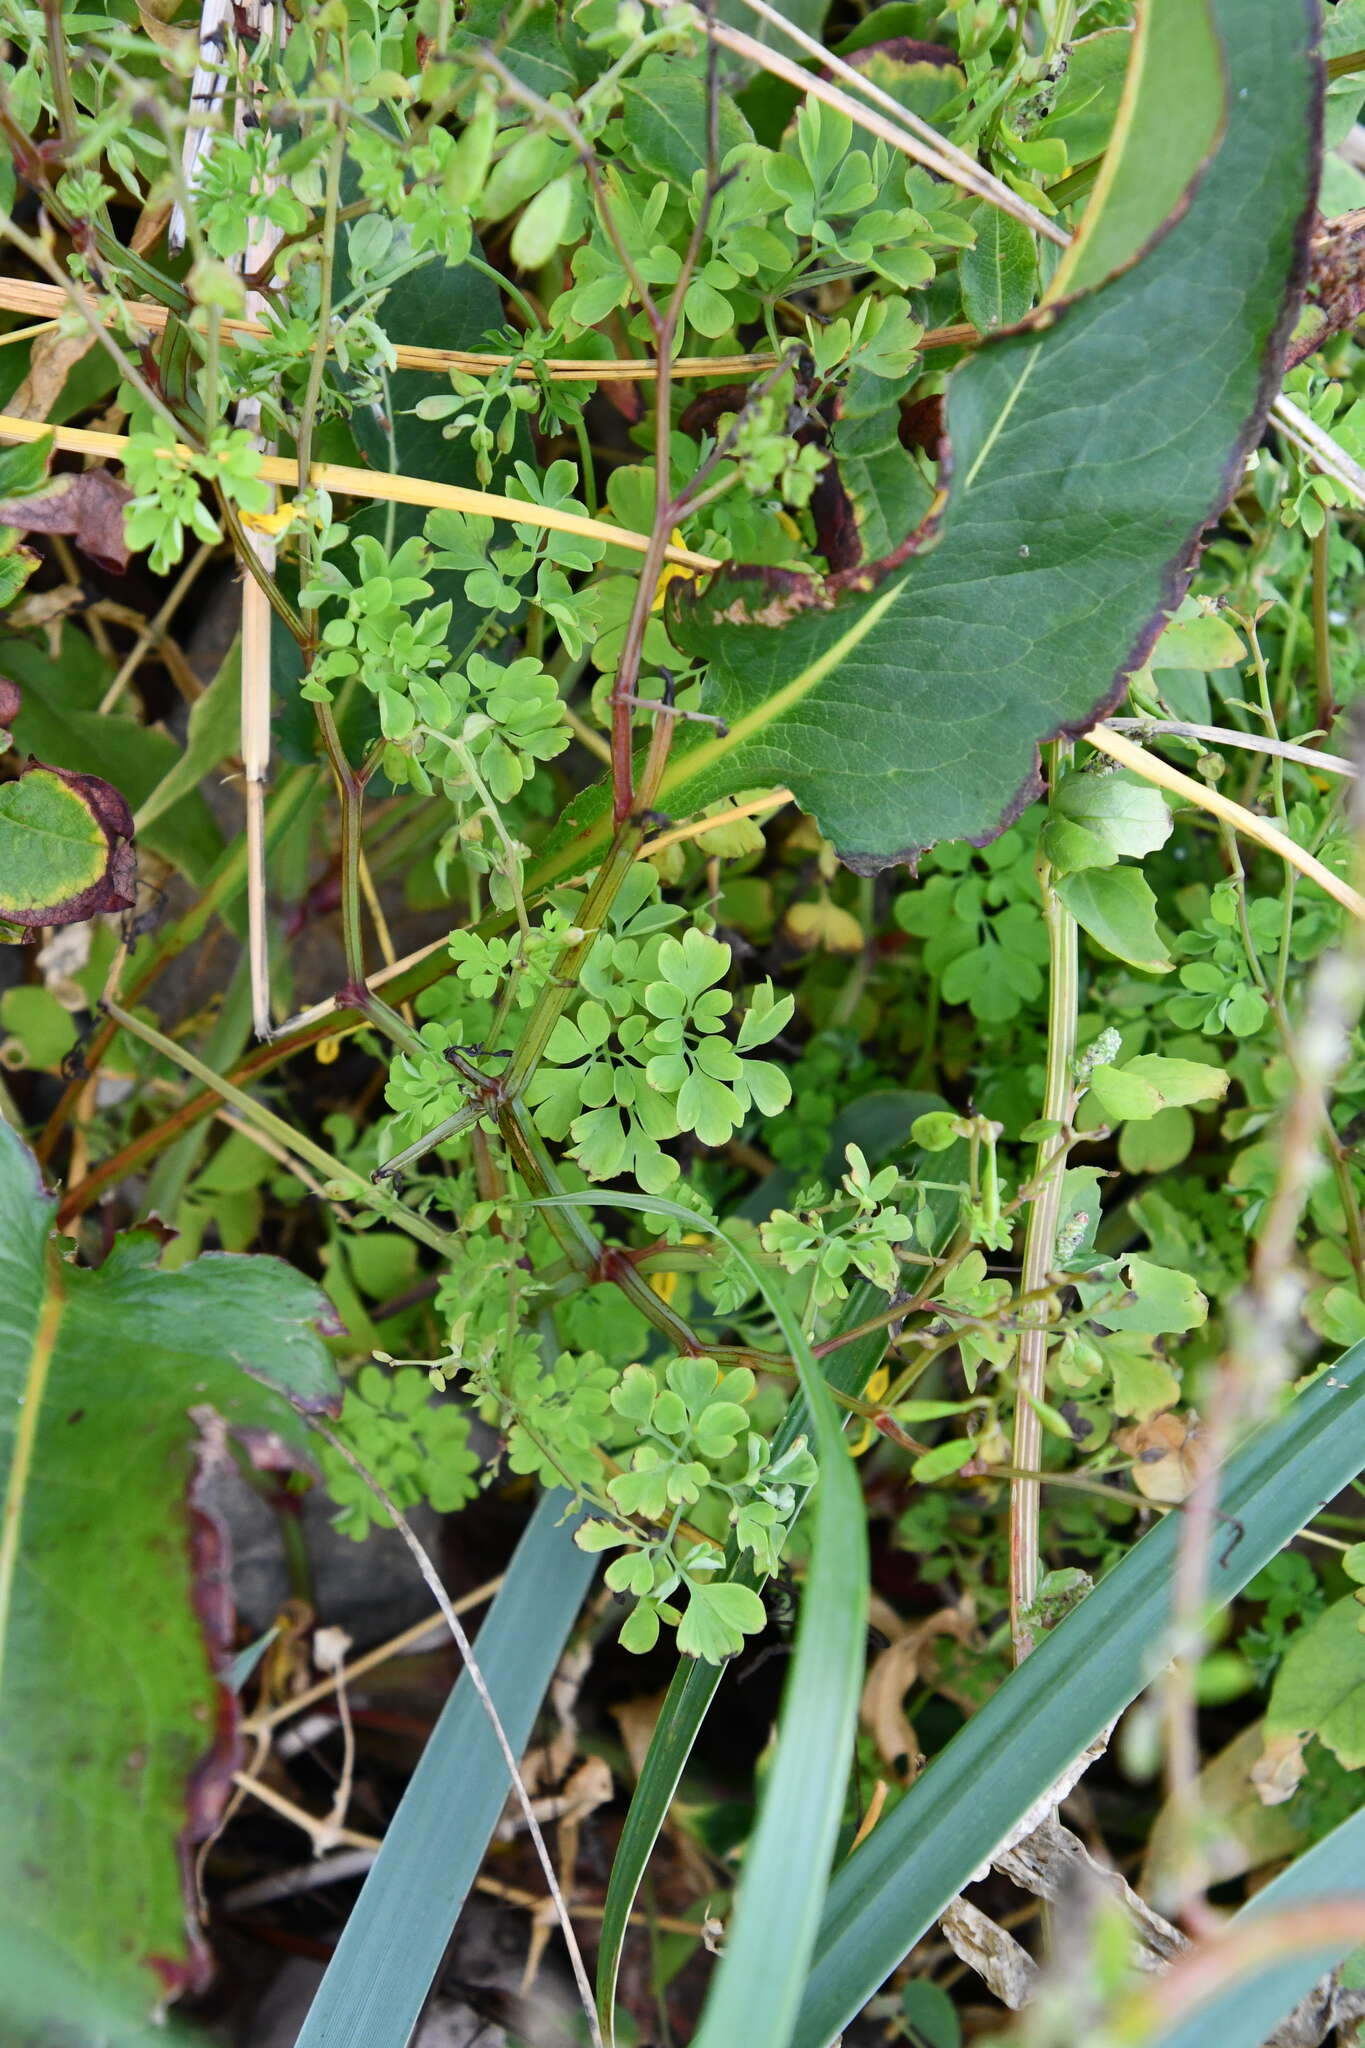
(1246, 2012)
(392, 1945)
(892, 1889)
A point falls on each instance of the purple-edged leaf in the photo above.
(119, 1389)
(1087, 459)
(66, 847)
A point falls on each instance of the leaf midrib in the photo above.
(36, 1375)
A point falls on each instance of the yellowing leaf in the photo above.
(823, 924)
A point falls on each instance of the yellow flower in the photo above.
(665, 1285)
(273, 523)
(876, 1387)
(671, 572)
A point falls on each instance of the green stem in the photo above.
(1322, 627)
(327, 272)
(576, 1237)
(347, 1184)
(351, 794)
(553, 999)
(59, 70)
(1040, 1238)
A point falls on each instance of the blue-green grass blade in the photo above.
(392, 1945)
(892, 1889)
(1243, 2015)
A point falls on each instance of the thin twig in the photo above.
(477, 1680)
(1228, 736)
(968, 172)
(155, 628)
(1322, 624)
(1040, 1239)
(22, 295)
(376, 980)
(1315, 442)
(319, 1832)
(340, 1643)
(273, 1150)
(347, 1184)
(774, 800)
(309, 1877)
(269, 1717)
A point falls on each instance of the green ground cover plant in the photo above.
(680, 855)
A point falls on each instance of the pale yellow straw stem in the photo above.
(341, 478)
(1152, 769)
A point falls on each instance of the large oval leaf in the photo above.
(116, 1734)
(1087, 458)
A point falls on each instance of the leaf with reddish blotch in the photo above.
(119, 1389)
(66, 847)
(89, 505)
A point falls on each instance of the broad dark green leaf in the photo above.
(534, 51)
(886, 488)
(1084, 471)
(1085, 1672)
(666, 123)
(397, 1933)
(118, 1387)
(1170, 117)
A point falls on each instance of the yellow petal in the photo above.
(876, 1387)
(273, 523)
(671, 572)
